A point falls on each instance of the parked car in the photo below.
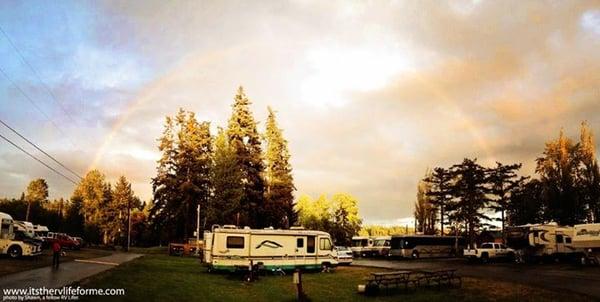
(344, 255)
(63, 239)
(488, 251)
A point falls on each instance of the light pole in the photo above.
(198, 230)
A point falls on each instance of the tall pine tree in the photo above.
(227, 183)
(245, 141)
(279, 198)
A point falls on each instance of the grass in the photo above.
(9, 266)
(163, 278)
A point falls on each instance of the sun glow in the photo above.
(336, 71)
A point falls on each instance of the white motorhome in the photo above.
(542, 240)
(587, 237)
(12, 245)
(229, 248)
(361, 246)
(381, 246)
(25, 226)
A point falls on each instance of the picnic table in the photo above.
(411, 278)
(440, 277)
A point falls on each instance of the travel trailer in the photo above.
(361, 246)
(229, 248)
(532, 242)
(16, 245)
(587, 237)
(40, 230)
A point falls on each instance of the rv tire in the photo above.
(415, 255)
(485, 258)
(15, 251)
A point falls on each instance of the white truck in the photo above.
(16, 246)
(488, 251)
(229, 248)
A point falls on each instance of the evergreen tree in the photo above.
(123, 202)
(470, 195)
(503, 179)
(279, 198)
(164, 185)
(440, 181)
(245, 141)
(192, 167)
(227, 183)
(590, 174)
(525, 205)
(183, 174)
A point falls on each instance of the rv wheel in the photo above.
(15, 251)
(325, 267)
(485, 258)
(415, 255)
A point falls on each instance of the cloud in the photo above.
(369, 94)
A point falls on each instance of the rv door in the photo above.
(300, 251)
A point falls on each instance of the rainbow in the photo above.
(150, 92)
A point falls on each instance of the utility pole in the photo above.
(128, 224)
(198, 230)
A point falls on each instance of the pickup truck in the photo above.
(488, 251)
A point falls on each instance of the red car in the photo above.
(63, 239)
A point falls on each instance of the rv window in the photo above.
(487, 246)
(568, 240)
(325, 244)
(310, 244)
(235, 242)
(559, 238)
(300, 242)
(5, 228)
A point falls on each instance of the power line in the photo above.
(36, 74)
(34, 104)
(39, 149)
(37, 159)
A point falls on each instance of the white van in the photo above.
(229, 248)
(12, 246)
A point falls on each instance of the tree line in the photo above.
(464, 196)
(97, 210)
(238, 176)
(337, 215)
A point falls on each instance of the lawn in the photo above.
(164, 278)
(9, 266)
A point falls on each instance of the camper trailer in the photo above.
(361, 246)
(229, 248)
(532, 242)
(587, 238)
(16, 244)
(40, 230)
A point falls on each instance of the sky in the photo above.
(370, 94)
